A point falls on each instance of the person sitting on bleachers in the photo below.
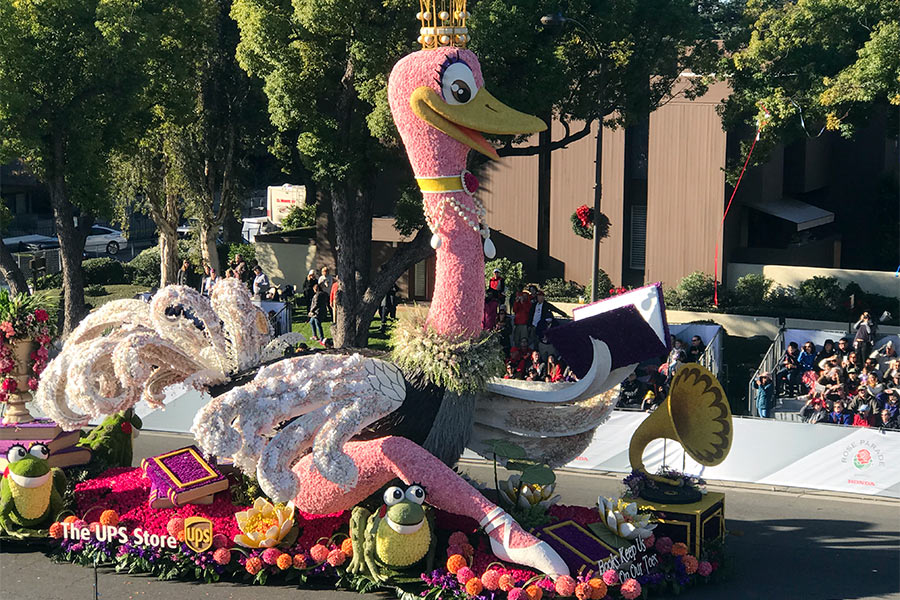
(827, 351)
(788, 376)
(887, 421)
(863, 417)
(840, 416)
(815, 410)
(696, 349)
(885, 355)
(631, 392)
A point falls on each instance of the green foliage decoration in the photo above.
(461, 365)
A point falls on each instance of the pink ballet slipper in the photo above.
(511, 543)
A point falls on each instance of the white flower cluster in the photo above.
(128, 350)
(331, 398)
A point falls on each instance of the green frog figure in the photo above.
(397, 537)
(31, 492)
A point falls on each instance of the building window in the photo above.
(419, 275)
(638, 247)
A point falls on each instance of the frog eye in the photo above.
(39, 451)
(16, 453)
(393, 495)
(415, 494)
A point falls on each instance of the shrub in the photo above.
(560, 289)
(299, 217)
(247, 252)
(752, 289)
(105, 271)
(604, 285)
(671, 298)
(782, 296)
(144, 268)
(510, 271)
(96, 289)
(821, 293)
(49, 281)
(696, 290)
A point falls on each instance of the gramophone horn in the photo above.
(696, 414)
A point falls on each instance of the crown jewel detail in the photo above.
(443, 23)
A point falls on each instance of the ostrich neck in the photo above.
(457, 306)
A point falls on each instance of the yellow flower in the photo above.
(265, 524)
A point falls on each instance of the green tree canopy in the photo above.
(814, 65)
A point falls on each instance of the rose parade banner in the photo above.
(823, 457)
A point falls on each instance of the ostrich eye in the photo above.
(16, 453)
(415, 494)
(393, 495)
(39, 451)
(458, 83)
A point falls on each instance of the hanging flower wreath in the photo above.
(583, 222)
(22, 318)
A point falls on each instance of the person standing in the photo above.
(210, 282)
(185, 275)
(260, 282)
(325, 281)
(317, 310)
(864, 338)
(388, 307)
(765, 395)
(521, 310)
(308, 286)
(498, 284)
(540, 310)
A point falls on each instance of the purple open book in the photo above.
(181, 477)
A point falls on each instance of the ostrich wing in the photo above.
(553, 422)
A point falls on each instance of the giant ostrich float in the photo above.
(326, 431)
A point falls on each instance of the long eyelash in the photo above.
(451, 59)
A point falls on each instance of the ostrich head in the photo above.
(441, 108)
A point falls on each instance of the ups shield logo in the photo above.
(198, 533)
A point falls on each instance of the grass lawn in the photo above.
(377, 340)
(116, 292)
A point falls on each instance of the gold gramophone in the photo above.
(695, 414)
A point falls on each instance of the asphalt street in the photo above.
(785, 544)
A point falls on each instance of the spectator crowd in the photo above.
(646, 392)
(848, 383)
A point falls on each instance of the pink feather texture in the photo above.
(457, 306)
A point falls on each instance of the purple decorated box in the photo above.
(182, 477)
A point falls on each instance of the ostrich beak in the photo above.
(463, 122)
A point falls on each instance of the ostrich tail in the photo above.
(452, 427)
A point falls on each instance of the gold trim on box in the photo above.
(719, 513)
(574, 550)
(174, 478)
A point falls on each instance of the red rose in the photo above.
(126, 427)
(41, 315)
(32, 384)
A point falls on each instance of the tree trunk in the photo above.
(208, 247)
(359, 295)
(231, 229)
(71, 240)
(168, 255)
(11, 271)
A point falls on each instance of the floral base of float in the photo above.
(117, 528)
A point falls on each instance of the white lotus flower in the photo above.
(624, 520)
(514, 493)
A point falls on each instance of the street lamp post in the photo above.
(560, 19)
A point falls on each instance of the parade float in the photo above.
(337, 468)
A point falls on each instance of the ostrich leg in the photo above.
(381, 460)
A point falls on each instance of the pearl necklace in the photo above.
(473, 217)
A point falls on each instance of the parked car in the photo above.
(105, 239)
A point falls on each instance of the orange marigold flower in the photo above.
(56, 531)
(690, 564)
(598, 588)
(456, 562)
(347, 547)
(507, 582)
(534, 592)
(679, 549)
(109, 517)
(299, 561)
(474, 587)
(70, 519)
(583, 591)
(253, 565)
(284, 562)
(179, 535)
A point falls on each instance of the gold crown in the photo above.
(443, 25)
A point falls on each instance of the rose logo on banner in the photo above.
(862, 460)
(198, 533)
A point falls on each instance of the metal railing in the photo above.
(770, 361)
(709, 358)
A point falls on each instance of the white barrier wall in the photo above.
(822, 457)
(778, 453)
